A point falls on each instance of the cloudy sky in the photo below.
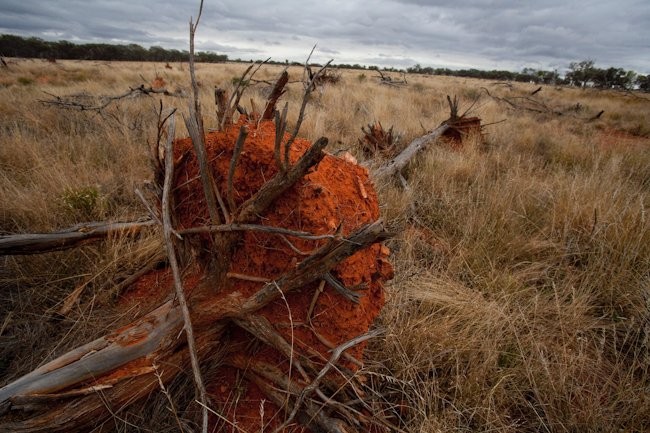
(485, 34)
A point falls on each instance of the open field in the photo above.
(521, 298)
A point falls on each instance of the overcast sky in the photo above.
(488, 34)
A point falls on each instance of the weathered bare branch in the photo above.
(173, 264)
(305, 98)
(396, 164)
(276, 93)
(315, 266)
(272, 189)
(234, 227)
(280, 129)
(37, 243)
(210, 192)
(239, 146)
(75, 102)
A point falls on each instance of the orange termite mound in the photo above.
(336, 194)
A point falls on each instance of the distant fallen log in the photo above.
(527, 103)
(390, 81)
(37, 243)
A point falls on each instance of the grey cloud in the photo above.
(488, 34)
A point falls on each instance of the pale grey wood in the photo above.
(419, 144)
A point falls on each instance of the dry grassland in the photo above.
(521, 300)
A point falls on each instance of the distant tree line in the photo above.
(16, 46)
(585, 74)
(526, 75)
(580, 74)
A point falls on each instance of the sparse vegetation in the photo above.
(521, 299)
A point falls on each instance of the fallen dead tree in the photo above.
(530, 104)
(275, 275)
(390, 81)
(99, 103)
(455, 129)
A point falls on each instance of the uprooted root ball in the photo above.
(336, 197)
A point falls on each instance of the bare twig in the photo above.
(305, 71)
(233, 104)
(525, 103)
(192, 123)
(245, 277)
(195, 84)
(308, 88)
(147, 206)
(262, 373)
(336, 354)
(234, 227)
(74, 102)
(313, 267)
(173, 264)
(195, 127)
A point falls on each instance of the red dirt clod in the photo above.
(158, 83)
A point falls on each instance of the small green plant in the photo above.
(81, 201)
(25, 81)
(361, 77)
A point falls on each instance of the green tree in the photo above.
(581, 73)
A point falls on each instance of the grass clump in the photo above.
(83, 201)
(25, 81)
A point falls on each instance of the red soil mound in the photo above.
(158, 83)
(335, 193)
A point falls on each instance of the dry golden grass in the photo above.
(522, 294)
